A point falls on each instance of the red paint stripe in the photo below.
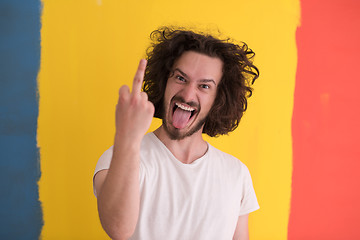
(326, 123)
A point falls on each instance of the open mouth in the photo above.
(182, 114)
(184, 108)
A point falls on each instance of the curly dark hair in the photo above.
(239, 73)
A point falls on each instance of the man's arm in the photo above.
(242, 228)
(117, 189)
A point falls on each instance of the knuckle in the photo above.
(134, 100)
(122, 98)
(151, 107)
(123, 89)
(123, 92)
(137, 80)
(144, 95)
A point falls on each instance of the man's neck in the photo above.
(185, 150)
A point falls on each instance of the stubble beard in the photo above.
(175, 133)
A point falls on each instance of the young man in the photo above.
(171, 184)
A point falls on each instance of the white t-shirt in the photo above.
(196, 201)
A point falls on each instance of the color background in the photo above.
(299, 137)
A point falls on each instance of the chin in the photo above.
(179, 134)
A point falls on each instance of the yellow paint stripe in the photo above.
(90, 48)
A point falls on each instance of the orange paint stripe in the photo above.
(325, 124)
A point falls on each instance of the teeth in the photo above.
(183, 107)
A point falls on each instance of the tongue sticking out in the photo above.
(180, 118)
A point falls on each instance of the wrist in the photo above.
(127, 143)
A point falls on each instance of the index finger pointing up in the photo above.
(139, 77)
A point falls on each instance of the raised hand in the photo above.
(118, 187)
(134, 112)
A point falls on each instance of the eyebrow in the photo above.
(203, 80)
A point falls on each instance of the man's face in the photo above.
(190, 93)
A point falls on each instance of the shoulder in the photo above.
(219, 155)
(105, 159)
(148, 141)
(149, 145)
(231, 163)
(107, 155)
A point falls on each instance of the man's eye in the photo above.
(204, 86)
(181, 78)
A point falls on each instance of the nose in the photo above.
(188, 93)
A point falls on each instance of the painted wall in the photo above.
(90, 48)
(326, 130)
(299, 137)
(20, 211)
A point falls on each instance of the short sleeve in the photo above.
(249, 201)
(103, 163)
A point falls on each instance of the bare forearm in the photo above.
(118, 201)
(242, 228)
(119, 194)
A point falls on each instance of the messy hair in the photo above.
(239, 74)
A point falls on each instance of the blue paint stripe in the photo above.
(20, 210)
